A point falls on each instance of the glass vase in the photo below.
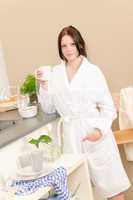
(27, 104)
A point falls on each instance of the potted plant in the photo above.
(33, 158)
(29, 88)
(27, 97)
(45, 143)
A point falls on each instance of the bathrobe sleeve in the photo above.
(45, 98)
(104, 102)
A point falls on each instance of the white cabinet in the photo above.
(80, 176)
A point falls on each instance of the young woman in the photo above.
(79, 93)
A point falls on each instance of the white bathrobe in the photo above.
(85, 104)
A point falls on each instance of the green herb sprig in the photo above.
(29, 85)
(42, 139)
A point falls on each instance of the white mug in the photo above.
(46, 73)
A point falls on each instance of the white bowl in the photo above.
(28, 112)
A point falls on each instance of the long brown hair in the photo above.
(77, 38)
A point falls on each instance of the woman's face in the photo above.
(69, 49)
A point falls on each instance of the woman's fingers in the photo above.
(43, 84)
(85, 138)
(39, 74)
(40, 79)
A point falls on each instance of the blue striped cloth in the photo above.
(56, 179)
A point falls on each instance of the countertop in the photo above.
(20, 127)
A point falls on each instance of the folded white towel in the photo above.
(126, 108)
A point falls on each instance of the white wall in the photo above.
(4, 83)
(29, 29)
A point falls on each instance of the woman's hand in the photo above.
(43, 83)
(93, 136)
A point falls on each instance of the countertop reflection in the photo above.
(13, 127)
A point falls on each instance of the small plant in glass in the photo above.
(46, 143)
(27, 97)
(29, 88)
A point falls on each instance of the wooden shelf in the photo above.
(124, 136)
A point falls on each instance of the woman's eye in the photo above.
(73, 44)
(62, 46)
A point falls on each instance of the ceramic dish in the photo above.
(8, 104)
(28, 174)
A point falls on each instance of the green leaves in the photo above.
(29, 85)
(43, 138)
(29, 88)
(34, 141)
